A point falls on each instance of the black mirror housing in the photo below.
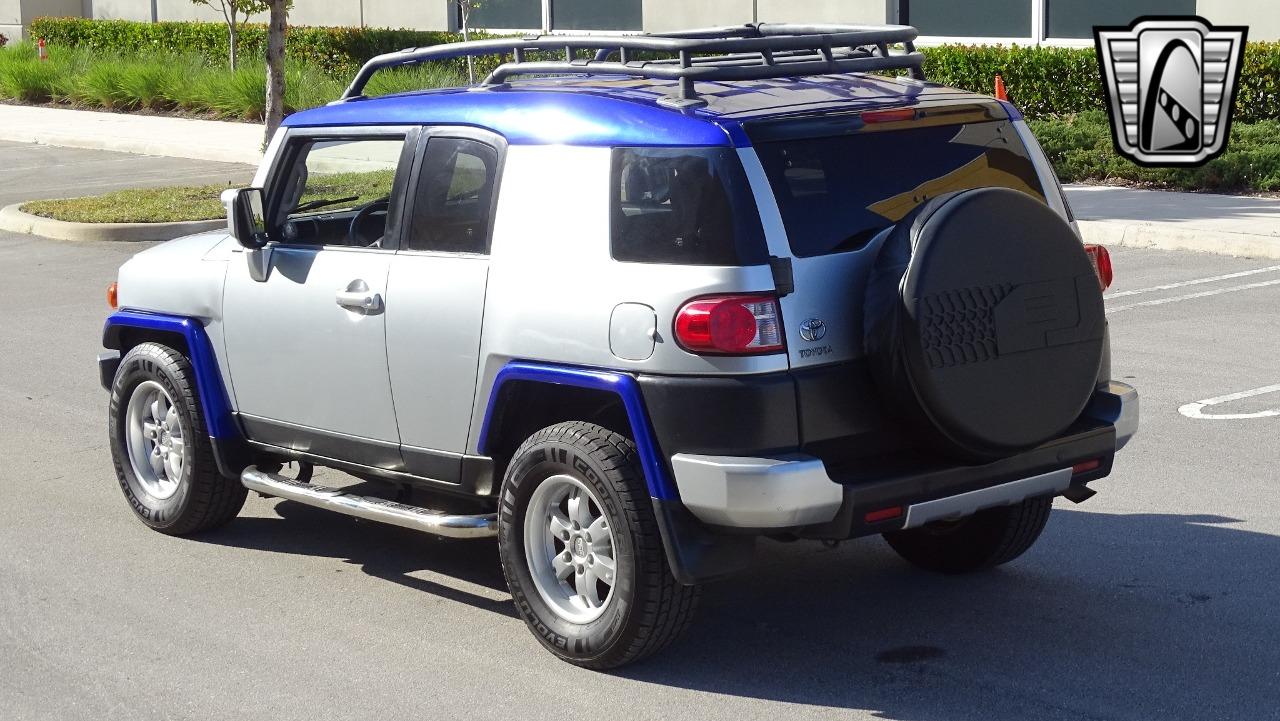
(245, 217)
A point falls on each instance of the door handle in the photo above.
(362, 300)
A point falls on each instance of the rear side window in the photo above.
(687, 206)
(454, 197)
(837, 193)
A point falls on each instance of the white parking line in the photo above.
(1196, 410)
(1189, 296)
(1197, 281)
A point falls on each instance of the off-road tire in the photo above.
(984, 540)
(649, 609)
(204, 499)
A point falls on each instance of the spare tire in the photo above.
(984, 323)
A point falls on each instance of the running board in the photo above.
(370, 508)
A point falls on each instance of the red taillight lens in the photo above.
(1101, 260)
(1086, 466)
(888, 116)
(737, 324)
(884, 514)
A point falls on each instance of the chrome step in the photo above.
(370, 508)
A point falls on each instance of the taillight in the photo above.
(1101, 260)
(888, 116)
(736, 324)
(111, 296)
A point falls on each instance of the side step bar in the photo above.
(369, 508)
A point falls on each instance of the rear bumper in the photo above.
(798, 492)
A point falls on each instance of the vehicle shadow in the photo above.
(1139, 616)
(1135, 616)
(382, 551)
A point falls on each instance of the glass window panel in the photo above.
(595, 15)
(507, 14)
(1076, 18)
(978, 18)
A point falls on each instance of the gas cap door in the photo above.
(632, 330)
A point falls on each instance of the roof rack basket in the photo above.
(743, 52)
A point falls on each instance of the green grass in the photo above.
(182, 83)
(1080, 149)
(202, 202)
(137, 205)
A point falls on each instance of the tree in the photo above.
(464, 10)
(234, 13)
(277, 25)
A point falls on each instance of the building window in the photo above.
(1076, 18)
(595, 15)
(974, 19)
(507, 14)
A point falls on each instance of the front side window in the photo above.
(338, 191)
(454, 197)
(689, 206)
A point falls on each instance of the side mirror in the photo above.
(245, 218)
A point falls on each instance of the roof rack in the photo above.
(743, 52)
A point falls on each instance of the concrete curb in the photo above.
(14, 220)
(1169, 236)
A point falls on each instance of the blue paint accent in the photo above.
(655, 469)
(218, 419)
(1014, 113)
(612, 110)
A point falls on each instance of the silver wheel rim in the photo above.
(569, 545)
(155, 440)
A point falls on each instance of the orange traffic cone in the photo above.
(41, 51)
(1001, 94)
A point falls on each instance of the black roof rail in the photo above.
(743, 52)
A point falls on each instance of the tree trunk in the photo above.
(277, 24)
(232, 41)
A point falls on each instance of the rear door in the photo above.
(840, 182)
(436, 295)
(306, 344)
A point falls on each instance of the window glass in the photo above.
(454, 197)
(595, 15)
(684, 205)
(837, 193)
(1076, 18)
(509, 14)
(973, 18)
(338, 191)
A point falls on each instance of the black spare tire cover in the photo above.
(984, 322)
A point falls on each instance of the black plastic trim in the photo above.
(108, 363)
(312, 441)
(725, 415)
(695, 553)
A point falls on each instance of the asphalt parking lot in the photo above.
(1157, 599)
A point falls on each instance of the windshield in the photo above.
(836, 193)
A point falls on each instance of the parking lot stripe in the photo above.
(1189, 296)
(1195, 410)
(1197, 281)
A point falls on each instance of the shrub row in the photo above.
(1045, 81)
(1080, 149)
(163, 81)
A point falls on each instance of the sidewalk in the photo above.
(1223, 224)
(143, 134)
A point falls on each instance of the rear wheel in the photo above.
(163, 459)
(581, 550)
(984, 540)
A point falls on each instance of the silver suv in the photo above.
(667, 296)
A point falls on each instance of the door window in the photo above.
(454, 197)
(338, 191)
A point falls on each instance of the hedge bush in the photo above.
(1045, 81)
(336, 51)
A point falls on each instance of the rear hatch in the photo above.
(840, 181)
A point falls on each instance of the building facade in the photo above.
(1054, 22)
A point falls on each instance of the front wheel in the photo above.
(163, 458)
(581, 550)
(984, 540)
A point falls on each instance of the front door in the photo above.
(306, 334)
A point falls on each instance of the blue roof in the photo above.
(613, 110)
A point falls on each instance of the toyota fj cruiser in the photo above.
(666, 295)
